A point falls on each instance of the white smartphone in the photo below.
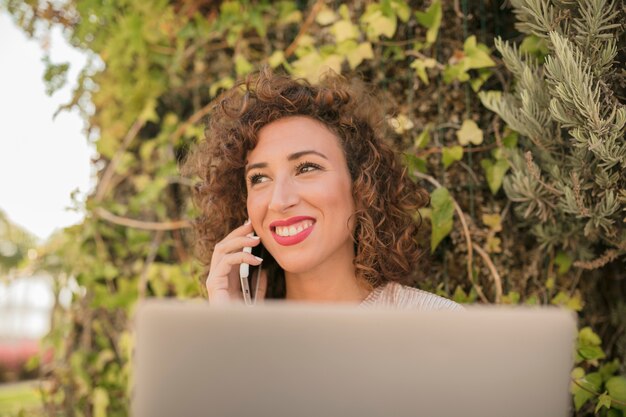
(244, 273)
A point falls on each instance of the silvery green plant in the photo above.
(568, 177)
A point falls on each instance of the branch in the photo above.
(303, 29)
(154, 248)
(468, 237)
(103, 185)
(140, 224)
(492, 268)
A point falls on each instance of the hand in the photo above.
(222, 284)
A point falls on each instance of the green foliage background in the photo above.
(156, 66)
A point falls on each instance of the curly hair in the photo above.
(386, 199)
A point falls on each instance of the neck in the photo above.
(327, 284)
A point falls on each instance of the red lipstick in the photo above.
(295, 239)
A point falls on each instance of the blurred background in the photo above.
(511, 113)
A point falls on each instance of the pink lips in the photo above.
(295, 239)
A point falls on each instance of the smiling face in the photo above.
(300, 195)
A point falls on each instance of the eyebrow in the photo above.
(292, 157)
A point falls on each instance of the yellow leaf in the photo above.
(400, 124)
(343, 30)
(420, 66)
(362, 52)
(100, 402)
(469, 133)
(494, 221)
(326, 16)
(277, 58)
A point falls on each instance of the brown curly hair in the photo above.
(386, 199)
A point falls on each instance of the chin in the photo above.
(291, 265)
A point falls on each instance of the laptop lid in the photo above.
(289, 360)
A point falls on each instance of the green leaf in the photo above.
(494, 172)
(608, 369)
(616, 388)
(450, 155)
(563, 261)
(573, 303)
(402, 9)
(534, 45)
(277, 58)
(431, 19)
(588, 346)
(242, 65)
(588, 337)
(362, 52)
(441, 218)
(422, 140)
(455, 72)
(100, 402)
(420, 66)
(604, 400)
(469, 133)
(414, 163)
(510, 140)
(592, 382)
(476, 55)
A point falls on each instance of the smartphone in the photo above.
(244, 274)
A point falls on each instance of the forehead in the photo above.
(294, 134)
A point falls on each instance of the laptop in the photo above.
(301, 360)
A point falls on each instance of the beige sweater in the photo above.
(400, 296)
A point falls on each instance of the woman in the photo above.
(305, 167)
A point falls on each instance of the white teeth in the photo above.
(294, 229)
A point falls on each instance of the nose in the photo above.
(284, 195)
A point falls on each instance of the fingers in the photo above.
(235, 244)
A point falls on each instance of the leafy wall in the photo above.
(165, 61)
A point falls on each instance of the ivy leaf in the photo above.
(359, 54)
(242, 65)
(402, 9)
(494, 171)
(422, 140)
(377, 23)
(326, 16)
(469, 133)
(592, 382)
(344, 30)
(588, 346)
(413, 163)
(420, 66)
(277, 58)
(400, 123)
(450, 155)
(563, 261)
(455, 72)
(604, 400)
(616, 388)
(100, 402)
(441, 217)
(431, 19)
(493, 221)
(534, 45)
(476, 55)
(608, 369)
(574, 302)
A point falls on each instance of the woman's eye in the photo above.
(305, 167)
(257, 179)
